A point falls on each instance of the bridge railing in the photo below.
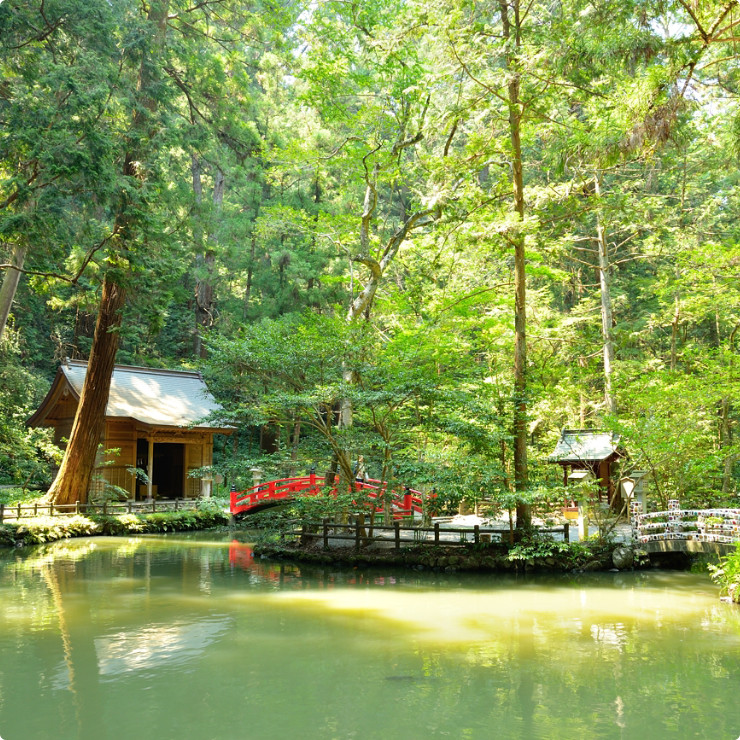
(701, 525)
(409, 502)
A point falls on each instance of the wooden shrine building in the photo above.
(152, 422)
(588, 453)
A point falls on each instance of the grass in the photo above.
(12, 495)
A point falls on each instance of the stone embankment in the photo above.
(494, 558)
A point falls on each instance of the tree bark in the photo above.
(674, 331)
(206, 259)
(75, 474)
(512, 34)
(195, 170)
(10, 285)
(607, 316)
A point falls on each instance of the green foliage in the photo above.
(47, 529)
(331, 130)
(534, 547)
(727, 574)
(25, 454)
(542, 547)
(11, 496)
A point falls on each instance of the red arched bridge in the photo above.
(371, 494)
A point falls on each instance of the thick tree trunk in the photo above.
(195, 171)
(10, 285)
(511, 32)
(674, 331)
(206, 255)
(725, 429)
(607, 316)
(73, 480)
(725, 441)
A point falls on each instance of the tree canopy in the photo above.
(433, 236)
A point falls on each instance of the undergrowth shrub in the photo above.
(571, 554)
(727, 574)
(47, 529)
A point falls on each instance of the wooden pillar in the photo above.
(150, 468)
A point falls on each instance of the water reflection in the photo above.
(178, 637)
(159, 644)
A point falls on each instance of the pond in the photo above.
(190, 638)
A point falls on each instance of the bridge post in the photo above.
(635, 514)
(674, 519)
(407, 502)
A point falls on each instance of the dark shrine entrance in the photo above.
(167, 471)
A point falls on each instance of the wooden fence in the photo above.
(360, 533)
(27, 511)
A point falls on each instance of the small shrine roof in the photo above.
(177, 398)
(585, 445)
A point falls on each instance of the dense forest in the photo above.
(433, 234)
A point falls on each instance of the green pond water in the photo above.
(190, 638)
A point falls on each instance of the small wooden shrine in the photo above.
(153, 422)
(585, 453)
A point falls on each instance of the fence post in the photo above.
(105, 508)
(19, 511)
(36, 509)
(177, 504)
(326, 533)
(358, 528)
(566, 532)
(77, 507)
(476, 534)
(436, 533)
(397, 534)
(2, 512)
(154, 505)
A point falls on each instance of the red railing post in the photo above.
(232, 507)
(407, 504)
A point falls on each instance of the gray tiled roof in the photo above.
(157, 397)
(584, 445)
